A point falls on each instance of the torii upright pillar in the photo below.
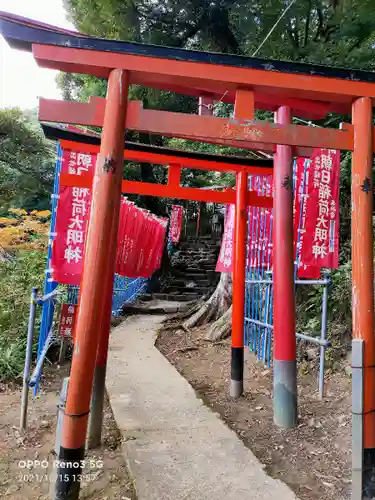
(94, 433)
(284, 368)
(363, 300)
(244, 109)
(106, 193)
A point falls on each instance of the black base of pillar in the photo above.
(236, 379)
(69, 473)
(369, 473)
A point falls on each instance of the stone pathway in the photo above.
(176, 447)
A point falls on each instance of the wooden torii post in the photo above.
(275, 85)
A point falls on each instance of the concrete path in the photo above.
(176, 447)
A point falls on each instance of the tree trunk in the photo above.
(218, 309)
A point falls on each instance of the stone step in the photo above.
(193, 275)
(195, 263)
(196, 271)
(197, 255)
(199, 246)
(183, 297)
(193, 257)
(183, 283)
(201, 290)
(176, 297)
(203, 239)
(146, 297)
(204, 243)
(197, 251)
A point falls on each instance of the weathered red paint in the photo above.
(105, 324)
(240, 132)
(172, 191)
(244, 108)
(174, 176)
(363, 255)
(244, 101)
(167, 73)
(166, 159)
(239, 261)
(284, 333)
(104, 211)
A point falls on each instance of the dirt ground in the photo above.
(106, 480)
(314, 458)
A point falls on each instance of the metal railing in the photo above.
(259, 338)
(125, 290)
(31, 381)
(258, 330)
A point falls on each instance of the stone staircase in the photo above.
(193, 270)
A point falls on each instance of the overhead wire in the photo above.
(274, 27)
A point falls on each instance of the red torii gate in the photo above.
(295, 88)
(173, 189)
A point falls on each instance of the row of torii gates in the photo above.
(289, 89)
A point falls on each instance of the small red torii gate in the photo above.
(284, 87)
(172, 189)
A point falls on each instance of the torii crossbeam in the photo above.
(175, 162)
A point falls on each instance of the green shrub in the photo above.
(339, 318)
(17, 277)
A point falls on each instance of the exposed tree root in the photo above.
(148, 308)
(221, 328)
(188, 309)
(216, 306)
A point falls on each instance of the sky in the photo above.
(21, 80)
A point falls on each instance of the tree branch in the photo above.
(319, 31)
(307, 24)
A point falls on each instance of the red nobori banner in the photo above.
(67, 320)
(224, 263)
(302, 175)
(260, 240)
(73, 212)
(140, 237)
(259, 252)
(316, 219)
(176, 223)
(260, 220)
(76, 163)
(319, 238)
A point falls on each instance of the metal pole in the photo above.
(94, 435)
(49, 285)
(35, 376)
(323, 337)
(60, 414)
(198, 220)
(239, 270)
(357, 419)
(29, 350)
(363, 273)
(300, 336)
(63, 349)
(285, 368)
(206, 105)
(205, 108)
(106, 194)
